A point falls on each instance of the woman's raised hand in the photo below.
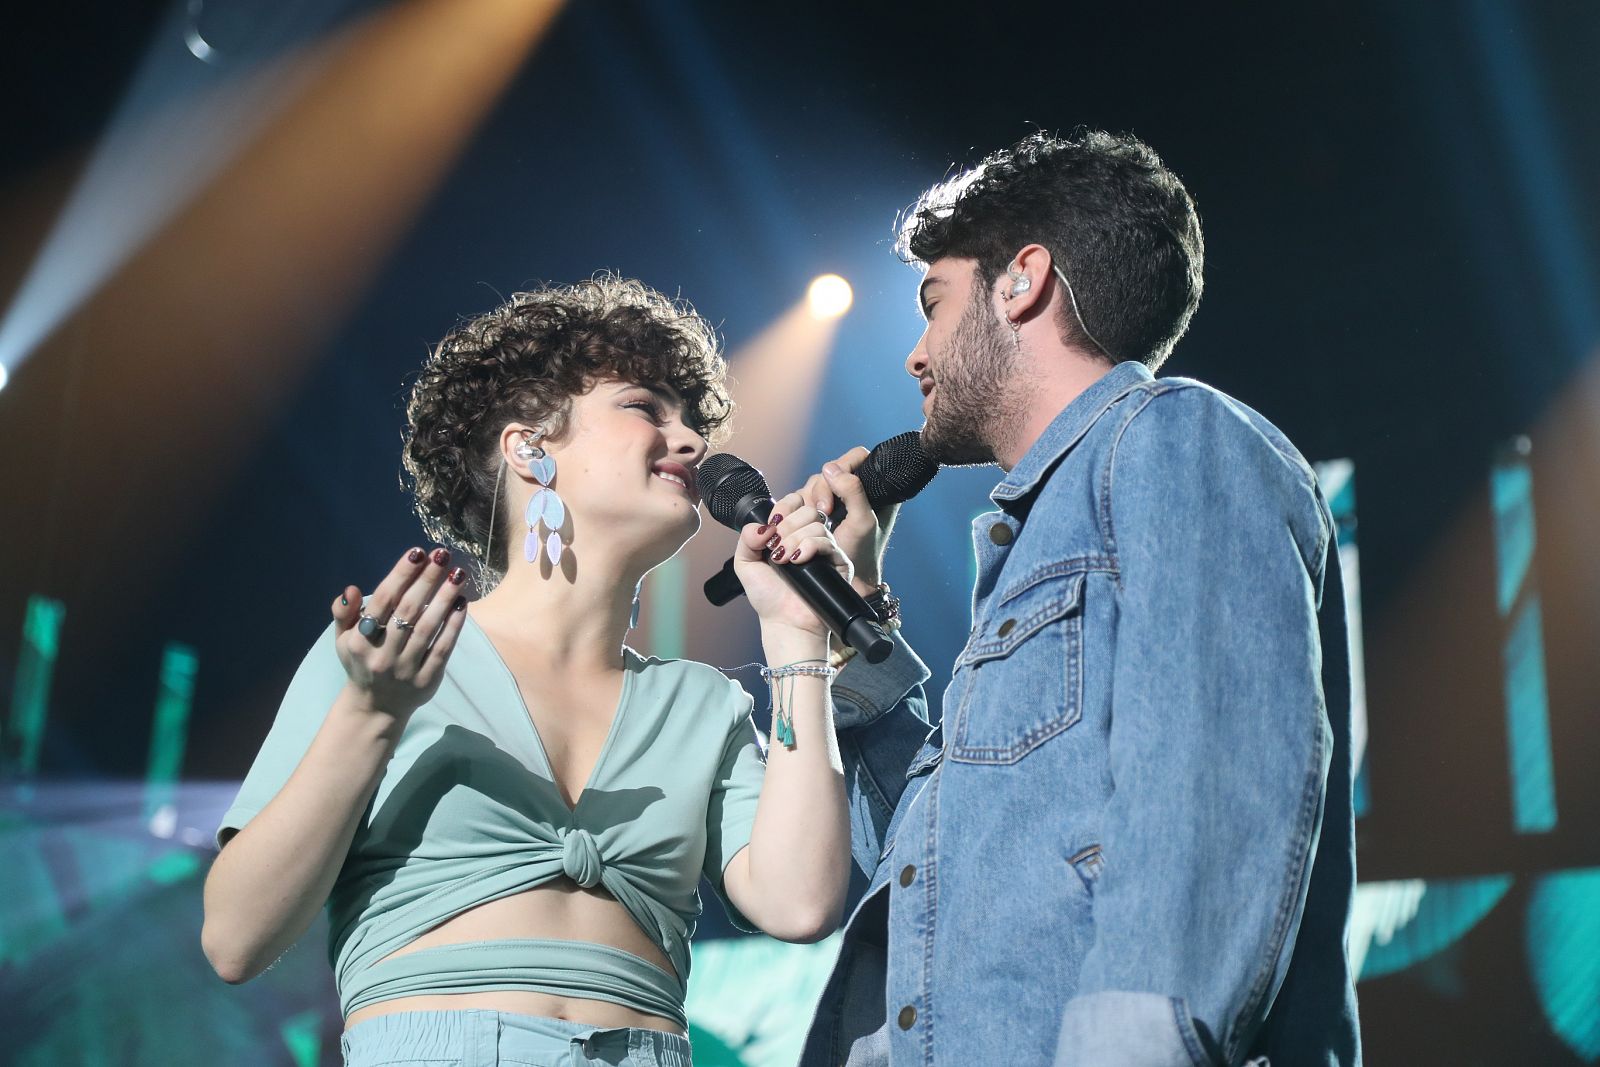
(864, 534)
(416, 616)
(785, 540)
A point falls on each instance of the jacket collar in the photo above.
(1067, 428)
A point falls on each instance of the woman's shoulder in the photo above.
(689, 679)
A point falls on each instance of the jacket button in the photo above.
(1001, 534)
(1007, 626)
(908, 1017)
(908, 875)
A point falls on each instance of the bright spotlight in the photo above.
(4, 377)
(829, 297)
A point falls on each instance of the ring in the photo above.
(368, 625)
(399, 623)
(824, 518)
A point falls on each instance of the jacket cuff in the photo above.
(1124, 1029)
(864, 691)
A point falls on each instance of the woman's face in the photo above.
(626, 464)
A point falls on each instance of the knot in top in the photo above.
(580, 857)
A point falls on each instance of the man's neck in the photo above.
(1044, 391)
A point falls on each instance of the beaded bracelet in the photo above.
(885, 605)
(783, 695)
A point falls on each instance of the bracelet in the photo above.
(783, 695)
(840, 656)
(886, 606)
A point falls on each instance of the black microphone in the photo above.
(893, 472)
(736, 495)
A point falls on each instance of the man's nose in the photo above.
(917, 361)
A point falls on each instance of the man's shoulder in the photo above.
(1168, 412)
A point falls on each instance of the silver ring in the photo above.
(825, 518)
(399, 623)
(368, 626)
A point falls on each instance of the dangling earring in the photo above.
(544, 507)
(633, 617)
(1020, 283)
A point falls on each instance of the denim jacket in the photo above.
(1130, 841)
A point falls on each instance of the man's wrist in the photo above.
(866, 582)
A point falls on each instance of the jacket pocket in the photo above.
(1024, 670)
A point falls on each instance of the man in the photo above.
(1130, 840)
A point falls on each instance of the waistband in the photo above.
(580, 969)
(480, 1038)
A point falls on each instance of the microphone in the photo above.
(893, 472)
(736, 495)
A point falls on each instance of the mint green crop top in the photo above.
(467, 812)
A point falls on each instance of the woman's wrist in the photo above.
(789, 644)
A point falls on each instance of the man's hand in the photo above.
(864, 534)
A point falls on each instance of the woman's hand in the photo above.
(864, 534)
(398, 667)
(787, 539)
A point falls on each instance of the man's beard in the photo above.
(969, 395)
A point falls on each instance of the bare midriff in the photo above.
(560, 911)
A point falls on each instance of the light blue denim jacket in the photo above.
(1130, 841)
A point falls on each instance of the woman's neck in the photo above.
(573, 623)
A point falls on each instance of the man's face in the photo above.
(963, 362)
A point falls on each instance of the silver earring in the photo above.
(544, 507)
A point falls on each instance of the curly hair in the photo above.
(526, 361)
(1119, 224)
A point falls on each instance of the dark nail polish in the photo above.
(441, 556)
(416, 555)
(772, 542)
(344, 600)
(762, 529)
(458, 576)
(460, 604)
(777, 557)
(775, 520)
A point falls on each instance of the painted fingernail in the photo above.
(460, 604)
(344, 600)
(777, 556)
(762, 529)
(441, 556)
(457, 576)
(416, 555)
(772, 542)
(774, 520)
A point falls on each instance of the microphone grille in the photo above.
(724, 480)
(897, 470)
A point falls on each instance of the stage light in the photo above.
(4, 376)
(829, 297)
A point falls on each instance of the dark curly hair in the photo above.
(526, 361)
(1119, 224)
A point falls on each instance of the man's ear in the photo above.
(1023, 285)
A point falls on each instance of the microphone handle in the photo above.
(827, 592)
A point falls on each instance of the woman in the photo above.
(506, 810)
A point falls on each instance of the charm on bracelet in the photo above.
(781, 680)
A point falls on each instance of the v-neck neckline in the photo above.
(533, 728)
